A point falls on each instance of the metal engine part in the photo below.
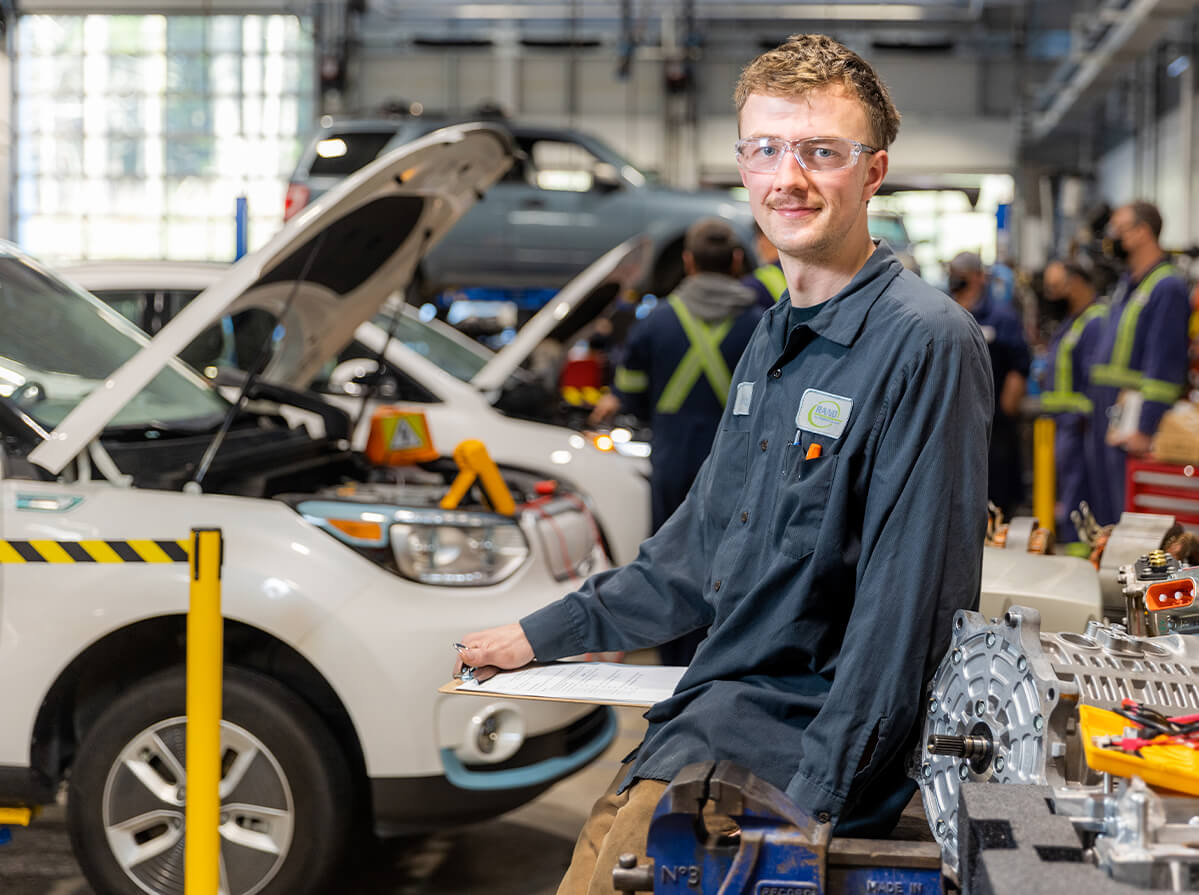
(1002, 706)
(1133, 536)
(1142, 838)
(1160, 595)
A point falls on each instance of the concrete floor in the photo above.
(524, 852)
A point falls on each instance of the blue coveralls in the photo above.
(768, 284)
(1009, 352)
(829, 582)
(1065, 398)
(1142, 346)
(682, 430)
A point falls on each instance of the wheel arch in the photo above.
(108, 666)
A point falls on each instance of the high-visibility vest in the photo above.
(771, 276)
(1062, 398)
(703, 358)
(1117, 372)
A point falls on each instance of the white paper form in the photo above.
(610, 683)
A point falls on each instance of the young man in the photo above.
(838, 522)
(1141, 353)
(1065, 392)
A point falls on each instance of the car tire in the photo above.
(286, 791)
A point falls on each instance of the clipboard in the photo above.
(591, 683)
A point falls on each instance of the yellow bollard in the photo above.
(201, 859)
(1044, 486)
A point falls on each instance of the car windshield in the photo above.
(460, 361)
(58, 343)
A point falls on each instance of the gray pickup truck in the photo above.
(568, 199)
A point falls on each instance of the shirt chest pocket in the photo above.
(800, 502)
(726, 479)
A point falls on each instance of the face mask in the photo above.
(957, 284)
(1056, 308)
(1113, 247)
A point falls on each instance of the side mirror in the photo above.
(605, 178)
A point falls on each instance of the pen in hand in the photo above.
(470, 672)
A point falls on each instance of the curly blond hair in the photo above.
(806, 62)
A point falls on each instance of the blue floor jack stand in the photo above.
(780, 850)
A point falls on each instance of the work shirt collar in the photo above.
(841, 317)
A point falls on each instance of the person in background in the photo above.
(1139, 364)
(767, 280)
(1069, 283)
(838, 522)
(1010, 362)
(675, 372)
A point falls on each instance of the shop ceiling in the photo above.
(1074, 49)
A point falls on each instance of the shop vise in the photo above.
(779, 850)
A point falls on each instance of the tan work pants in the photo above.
(619, 824)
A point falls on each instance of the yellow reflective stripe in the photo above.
(51, 551)
(703, 356)
(1127, 328)
(1063, 375)
(1161, 391)
(100, 551)
(630, 381)
(1065, 402)
(772, 277)
(149, 551)
(9, 554)
(1120, 377)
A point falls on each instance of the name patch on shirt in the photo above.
(823, 413)
(743, 399)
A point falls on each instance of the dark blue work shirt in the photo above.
(830, 583)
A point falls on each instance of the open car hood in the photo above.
(329, 269)
(579, 302)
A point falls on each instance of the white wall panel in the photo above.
(544, 87)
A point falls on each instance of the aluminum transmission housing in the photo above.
(1002, 706)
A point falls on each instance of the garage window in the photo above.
(134, 135)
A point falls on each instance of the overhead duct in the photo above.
(1122, 30)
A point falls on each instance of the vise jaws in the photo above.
(779, 849)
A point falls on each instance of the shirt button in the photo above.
(762, 444)
(716, 587)
(745, 517)
(824, 817)
(776, 373)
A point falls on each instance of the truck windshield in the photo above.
(58, 344)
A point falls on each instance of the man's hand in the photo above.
(1137, 444)
(494, 650)
(605, 407)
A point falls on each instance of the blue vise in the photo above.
(778, 850)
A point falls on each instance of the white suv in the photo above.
(343, 584)
(464, 389)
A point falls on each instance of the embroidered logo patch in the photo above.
(744, 397)
(823, 413)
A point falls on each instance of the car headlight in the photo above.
(442, 547)
(433, 546)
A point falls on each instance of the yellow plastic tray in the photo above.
(1174, 768)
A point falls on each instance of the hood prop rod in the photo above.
(252, 375)
(381, 354)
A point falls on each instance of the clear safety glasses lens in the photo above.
(764, 155)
